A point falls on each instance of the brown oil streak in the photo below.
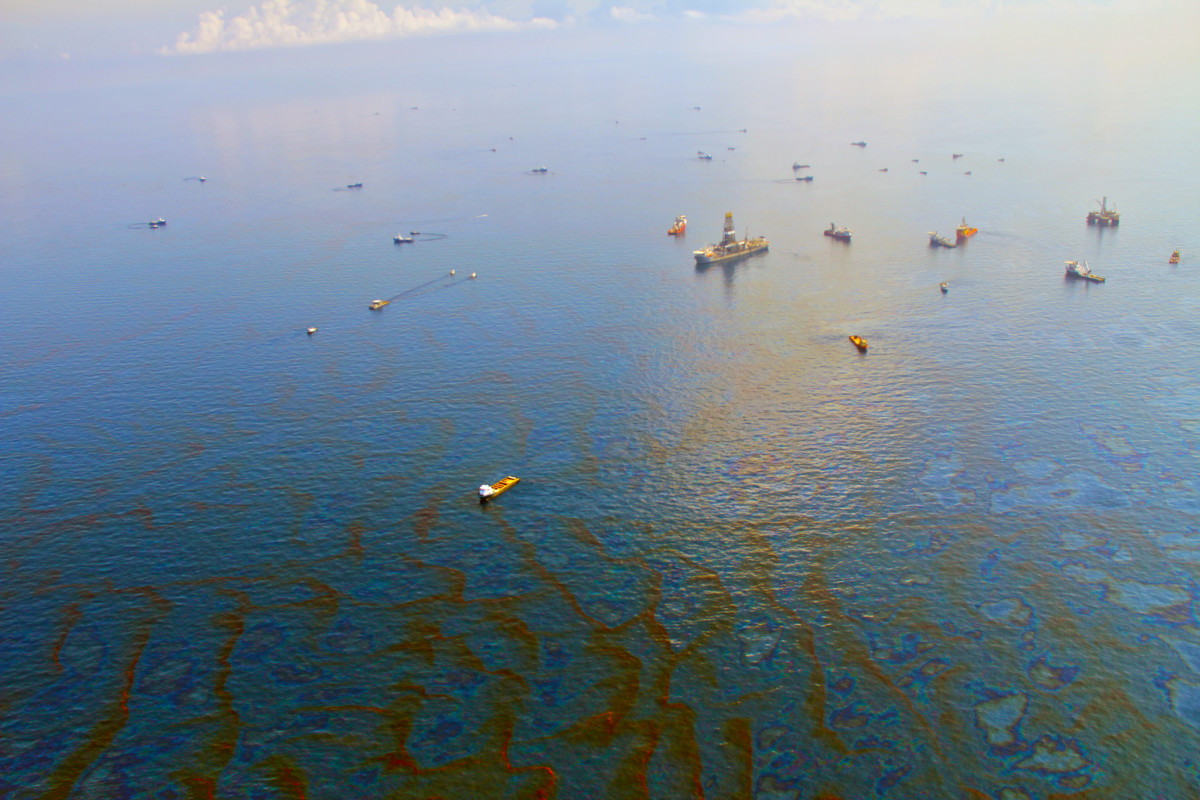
(201, 775)
(738, 737)
(72, 614)
(64, 777)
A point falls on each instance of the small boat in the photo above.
(451, 273)
(1174, 259)
(202, 179)
(402, 239)
(859, 342)
(378, 304)
(539, 170)
(353, 185)
(1106, 217)
(883, 170)
(679, 227)
(807, 178)
(472, 275)
(312, 330)
(955, 155)
(498, 488)
(945, 288)
(157, 223)
(1077, 270)
(858, 144)
(968, 172)
(964, 230)
(841, 234)
(923, 172)
(916, 161)
(939, 241)
(703, 156)
(798, 165)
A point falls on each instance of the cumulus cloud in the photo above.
(627, 14)
(281, 23)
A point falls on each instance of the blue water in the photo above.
(743, 559)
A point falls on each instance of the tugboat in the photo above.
(498, 488)
(964, 230)
(729, 248)
(1106, 217)
(859, 342)
(939, 241)
(402, 239)
(1077, 270)
(1174, 259)
(841, 234)
(679, 227)
(378, 304)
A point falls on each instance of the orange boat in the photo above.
(859, 342)
(965, 230)
(679, 227)
(1174, 259)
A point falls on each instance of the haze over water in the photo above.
(743, 560)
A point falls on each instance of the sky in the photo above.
(71, 29)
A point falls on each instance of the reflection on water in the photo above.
(743, 560)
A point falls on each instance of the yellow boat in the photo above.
(498, 488)
(859, 342)
(1174, 259)
(378, 304)
(964, 230)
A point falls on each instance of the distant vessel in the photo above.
(859, 144)
(939, 241)
(1105, 217)
(945, 288)
(157, 223)
(729, 247)
(1077, 270)
(202, 179)
(402, 239)
(955, 155)
(679, 227)
(353, 185)
(703, 156)
(859, 342)
(539, 169)
(312, 330)
(964, 230)
(841, 234)
(1174, 259)
(798, 165)
(378, 304)
(498, 488)
(805, 178)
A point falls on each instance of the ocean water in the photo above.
(743, 560)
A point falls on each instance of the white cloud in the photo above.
(627, 14)
(280, 23)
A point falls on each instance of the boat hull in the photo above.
(500, 487)
(706, 257)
